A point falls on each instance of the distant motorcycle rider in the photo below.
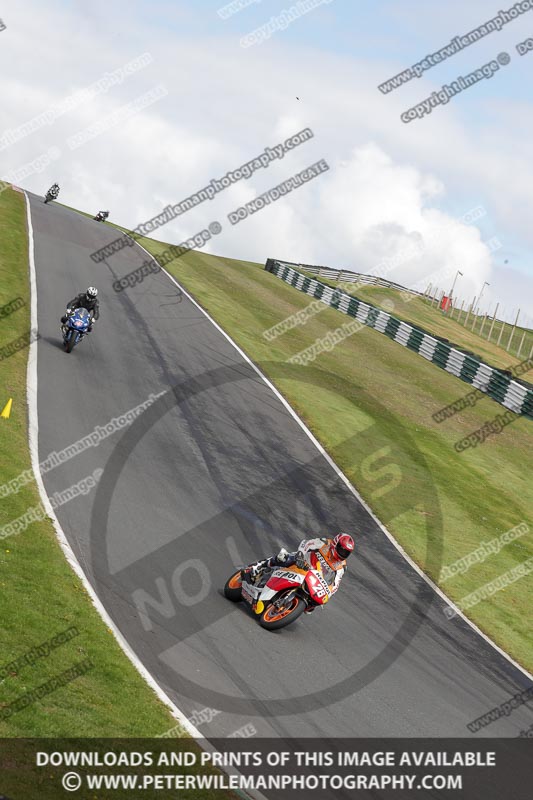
(328, 555)
(54, 190)
(88, 300)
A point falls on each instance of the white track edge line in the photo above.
(33, 438)
(343, 477)
(33, 441)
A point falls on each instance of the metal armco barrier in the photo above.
(510, 392)
(348, 276)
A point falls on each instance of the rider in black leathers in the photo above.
(88, 300)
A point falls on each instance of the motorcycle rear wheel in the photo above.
(274, 618)
(233, 587)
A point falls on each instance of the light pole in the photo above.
(453, 284)
(480, 295)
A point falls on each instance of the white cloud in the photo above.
(387, 185)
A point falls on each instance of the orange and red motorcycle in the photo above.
(279, 595)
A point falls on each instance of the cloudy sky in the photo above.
(207, 94)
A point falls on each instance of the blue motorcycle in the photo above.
(75, 328)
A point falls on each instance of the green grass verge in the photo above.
(483, 492)
(40, 595)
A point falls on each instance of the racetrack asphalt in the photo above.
(215, 473)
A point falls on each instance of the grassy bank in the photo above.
(371, 385)
(41, 596)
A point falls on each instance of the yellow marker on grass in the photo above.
(7, 409)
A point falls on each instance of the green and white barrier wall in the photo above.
(507, 390)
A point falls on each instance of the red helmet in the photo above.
(342, 546)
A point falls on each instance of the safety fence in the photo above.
(500, 385)
(347, 276)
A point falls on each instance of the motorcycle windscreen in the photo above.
(328, 573)
(81, 318)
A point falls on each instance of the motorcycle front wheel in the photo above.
(71, 341)
(274, 618)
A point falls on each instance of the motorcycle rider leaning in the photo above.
(324, 553)
(88, 300)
